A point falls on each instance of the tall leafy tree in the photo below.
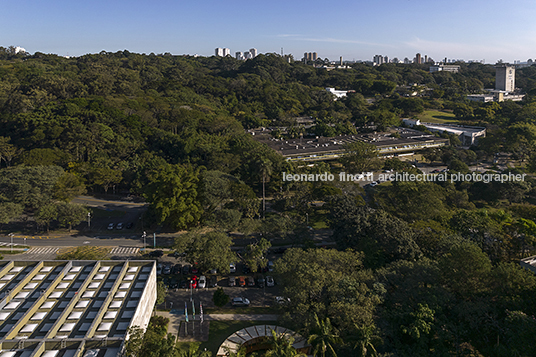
(323, 338)
(173, 196)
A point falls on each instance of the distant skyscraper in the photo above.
(505, 77)
(222, 52)
(418, 58)
(239, 56)
(314, 56)
(253, 52)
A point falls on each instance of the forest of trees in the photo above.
(420, 269)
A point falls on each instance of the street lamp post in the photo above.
(89, 220)
(11, 236)
(144, 235)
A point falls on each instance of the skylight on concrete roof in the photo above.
(75, 315)
(39, 277)
(122, 326)
(82, 304)
(47, 305)
(16, 269)
(29, 328)
(129, 277)
(8, 277)
(104, 269)
(146, 269)
(75, 269)
(62, 285)
(3, 315)
(84, 327)
(132, 303)
(39, 316)
(67, 327)
(51, 353)
(9, 354)
(2, 285)
(23, 295)
(46, 269)
(133, 269)
(56, 294)
(116, 304)
(46, 327)
(93, 286)
(69, 277)
(105, 326)
(120, 294)
(140, 285)
(110, 315)
(12, 305)
(99, 277)
(89, 294)
(136, 294)
(31, 286)
(125, 286)
(127, 314)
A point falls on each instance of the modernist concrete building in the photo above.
(73, 308)
(222, 52)
(444, 68)
(505, 77)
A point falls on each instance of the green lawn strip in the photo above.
(435, 116)
(243, 310)
(220, 330)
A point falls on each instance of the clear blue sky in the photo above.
(469, 29)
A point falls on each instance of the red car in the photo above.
(193, 282)
(241, 281)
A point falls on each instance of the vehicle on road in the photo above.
(166, 270)
(232, 268)
(130, 225)
(250, 281)
(261, 282)
(212, 281)
(240, 301)
(185, 269)
(270, 266)
(232, 281)
(270, 281)
(280, 300)
(173, 284)
(241, 281)
(202, 283)
(111, 226)
(176, 269)
(119, 226)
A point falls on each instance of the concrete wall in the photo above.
(147, 301)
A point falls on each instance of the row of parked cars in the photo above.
(119, 226)
(260, 281)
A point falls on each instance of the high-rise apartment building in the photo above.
(222, 52)
(418, 58)
(505, 77)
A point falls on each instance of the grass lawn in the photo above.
(435, 116)
(244, 310)
(220, 330)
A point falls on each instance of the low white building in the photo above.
(337, 93)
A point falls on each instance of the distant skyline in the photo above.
(356, 30)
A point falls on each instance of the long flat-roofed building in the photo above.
(73, 308)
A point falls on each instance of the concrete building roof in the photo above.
(71, 308)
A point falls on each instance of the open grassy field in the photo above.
(436, 116)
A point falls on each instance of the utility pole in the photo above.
(89, 220)
(144, 235)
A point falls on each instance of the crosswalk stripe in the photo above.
(43, 250)
(125, 250)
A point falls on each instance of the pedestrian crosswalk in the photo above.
(42, 250)
(125, 251)
(7, 244)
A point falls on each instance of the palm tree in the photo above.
(365, 338)
(323, 338)
(282, 347)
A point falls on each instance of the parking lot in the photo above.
(176, 297)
